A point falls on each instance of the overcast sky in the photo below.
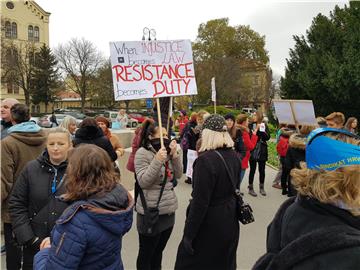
(116, 20)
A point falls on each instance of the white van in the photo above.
(249, 110)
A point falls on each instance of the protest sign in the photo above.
(191, 157)
(152, 69)
(295, 112)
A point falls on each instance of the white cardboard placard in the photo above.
(152, 69)
(191, 157)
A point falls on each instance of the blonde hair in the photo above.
(67, 121)
(337, 117)
(59, 130)
(211, 140)
(331, 187)
(306, 129)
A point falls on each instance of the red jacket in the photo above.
(135, 146)
(250, 145)
(282, 146)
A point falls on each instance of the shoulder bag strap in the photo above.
(142, 196)
(236, 190)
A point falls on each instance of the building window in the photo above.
(256, 80)
(36, 34)
(37, 108)
(9, 88)
(30, 33)
(16, 89)
(10, 5)
(14, 30)
(7, 29)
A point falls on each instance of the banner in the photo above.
(213, 89)
(152, 69)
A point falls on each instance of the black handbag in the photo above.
(244, 210)
(256, 153)
(151, 214)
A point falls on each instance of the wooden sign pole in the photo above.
(169, 116)
(159, 121)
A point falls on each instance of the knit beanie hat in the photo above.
(230, 116)
(215, 122)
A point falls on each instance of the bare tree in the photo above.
(17, 64)
(79, 59)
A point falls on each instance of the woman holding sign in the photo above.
(259, 155)
(156, 167)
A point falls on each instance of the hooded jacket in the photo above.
(249, 143)
(308, 234)
(33, 207)
(150, 175)
(25, 142)
(89, 234)
(94, 135)
(296, 151)
(283, 142)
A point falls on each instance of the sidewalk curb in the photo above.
(272, 166)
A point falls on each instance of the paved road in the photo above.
(252, 236)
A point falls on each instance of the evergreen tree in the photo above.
(45, 77)
(325, 65)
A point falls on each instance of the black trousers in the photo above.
(15, 254)
(184, 160)
(151, 249)
(253, 170)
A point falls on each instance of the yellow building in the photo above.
(23, 22)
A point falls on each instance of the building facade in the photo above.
(23, 23)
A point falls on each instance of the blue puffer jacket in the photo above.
(89, 233)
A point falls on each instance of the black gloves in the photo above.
(34, 243)
(188, 245)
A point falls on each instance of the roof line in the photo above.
(39, 7)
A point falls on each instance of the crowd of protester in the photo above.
(63, 206)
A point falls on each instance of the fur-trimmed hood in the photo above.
(286, 132)
(297, 141)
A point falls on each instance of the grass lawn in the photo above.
(273, 157)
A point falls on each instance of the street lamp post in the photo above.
(149, 33)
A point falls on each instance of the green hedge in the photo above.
(273, 157)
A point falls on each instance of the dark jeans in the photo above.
(284, 175)
(150, 250)
(261, 171)
(14, 253)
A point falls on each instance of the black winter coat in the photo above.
(33, 207)
(211, 223)
(294, 156)
(311, 235)
(263, 137)
(94, 135)
(190, 135)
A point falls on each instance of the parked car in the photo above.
(249, 110)
(111, 115)
(44, 121)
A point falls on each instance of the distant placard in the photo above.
(283, 112)
(152, 69)
(295, 112)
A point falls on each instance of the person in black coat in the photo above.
(294, 156)
(263, 135)
(211, 232)
(90, 133)
(34, 203)
(188, 138)
(320, 228)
